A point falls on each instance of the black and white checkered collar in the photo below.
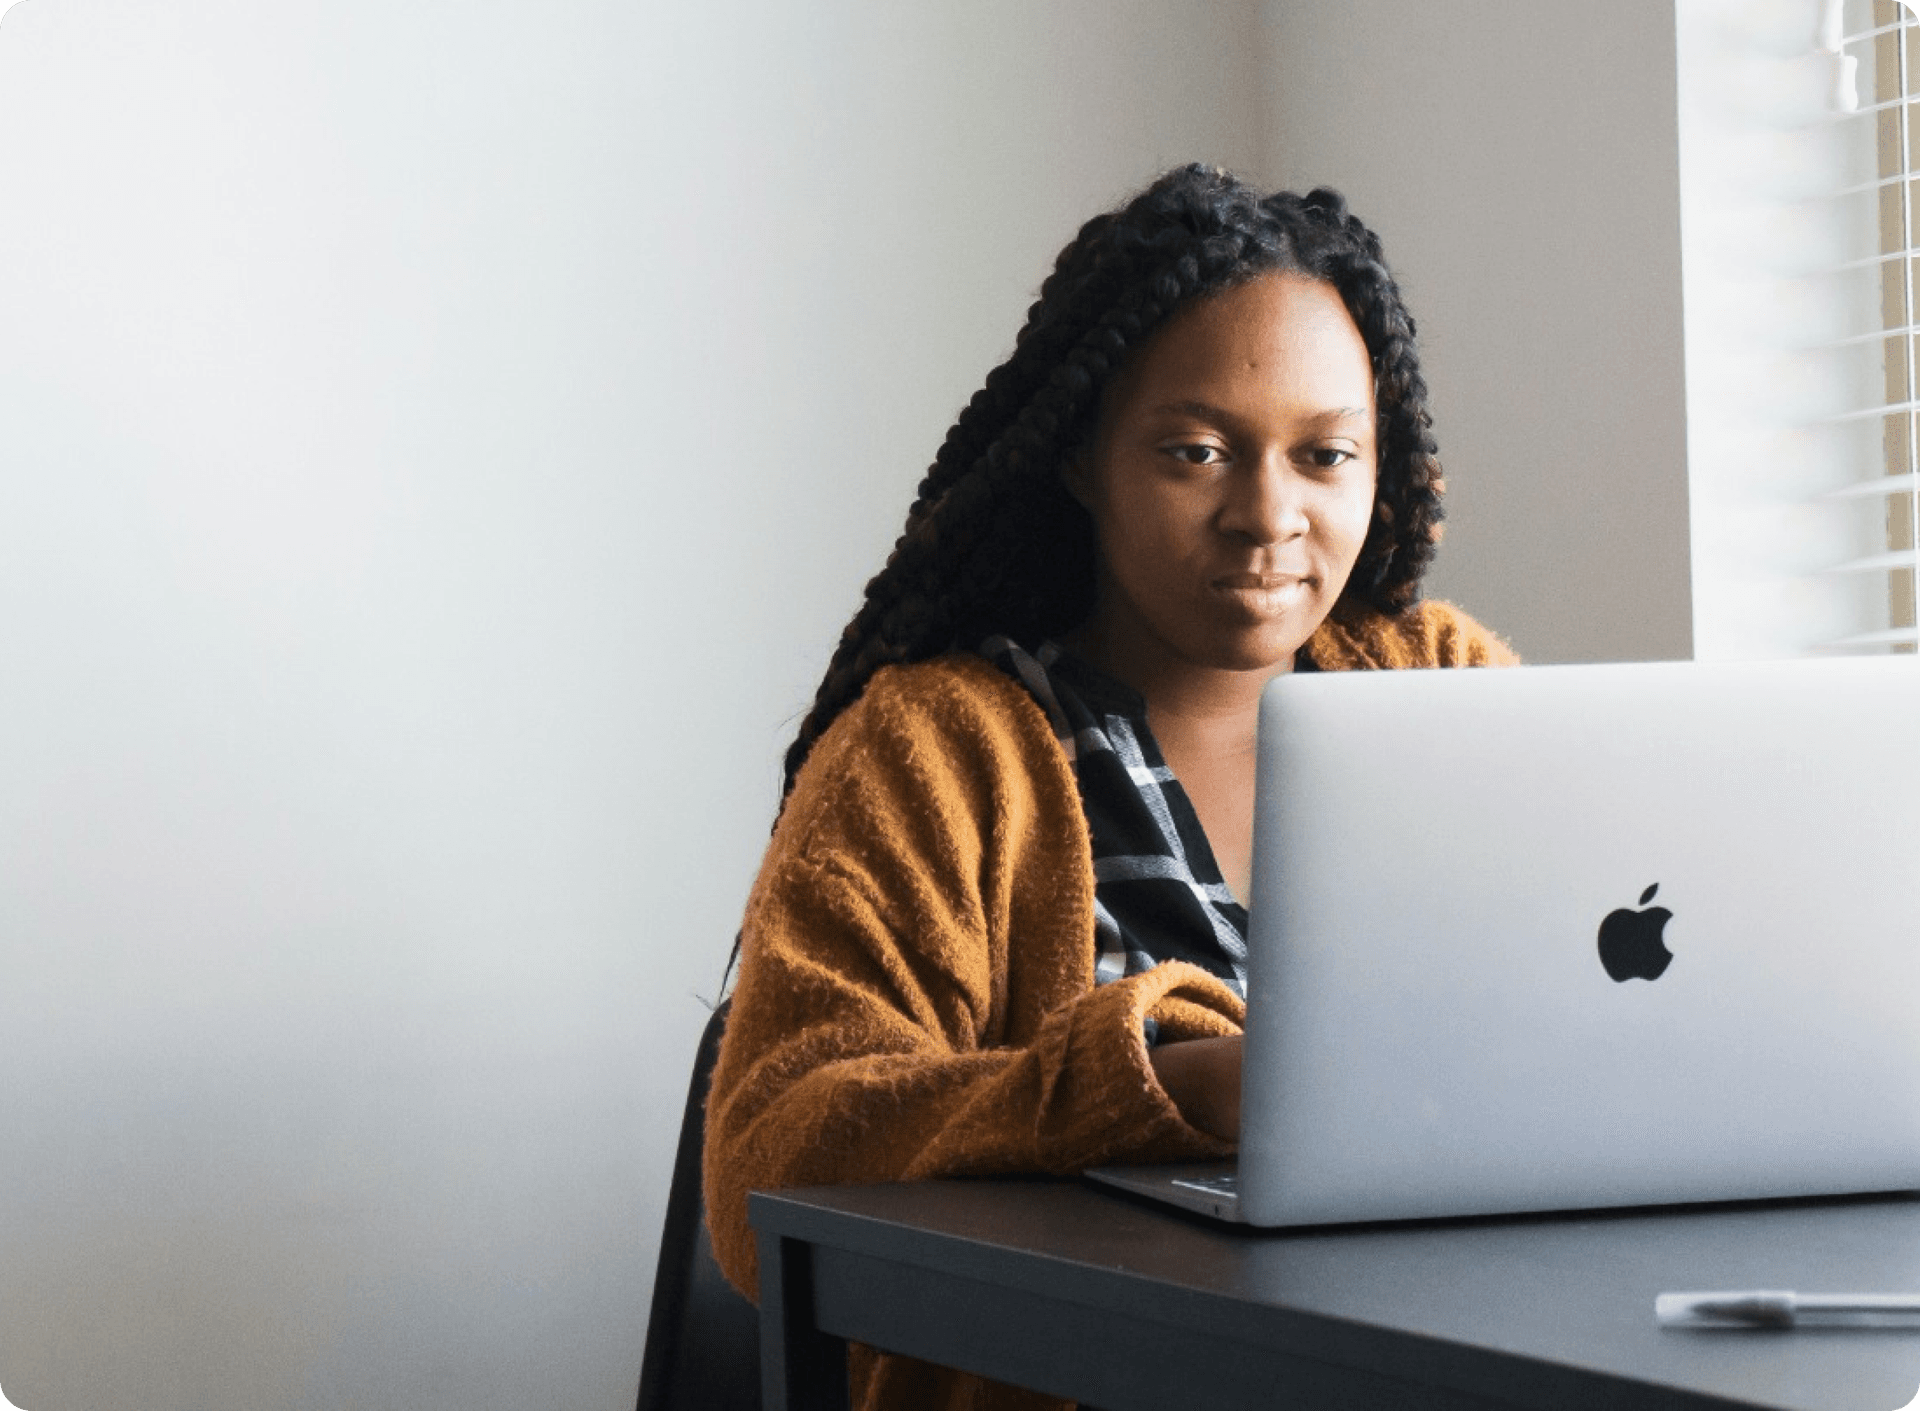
(1158, 892)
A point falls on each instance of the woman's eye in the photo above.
(1197, 454)
(1330, 457)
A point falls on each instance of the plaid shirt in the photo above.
(1158, 893)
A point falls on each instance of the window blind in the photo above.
(1873, 48)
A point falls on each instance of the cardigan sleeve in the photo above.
(915, 995)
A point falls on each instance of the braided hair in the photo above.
(994, 543)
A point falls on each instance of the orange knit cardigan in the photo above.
(916, 993)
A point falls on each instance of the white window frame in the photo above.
(1789, 550)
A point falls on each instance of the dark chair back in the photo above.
(703, 1339)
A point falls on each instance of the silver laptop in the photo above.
(1561, 937)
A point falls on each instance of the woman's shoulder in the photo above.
(960, 694)
(1426, 634)
(955, 721)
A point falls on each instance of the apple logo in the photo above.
(1630, 941)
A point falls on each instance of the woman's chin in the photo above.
(1271, 653)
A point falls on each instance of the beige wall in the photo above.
(440, 442)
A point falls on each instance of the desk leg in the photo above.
(801, 1368)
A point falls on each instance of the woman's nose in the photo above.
(1268, 506)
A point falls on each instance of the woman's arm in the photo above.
(915, 994)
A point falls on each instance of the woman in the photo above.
(1001, 924)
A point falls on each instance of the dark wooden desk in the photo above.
(1071, 1290)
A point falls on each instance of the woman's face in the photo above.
(1231, 482)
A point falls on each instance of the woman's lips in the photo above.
(1266, 597)
(1260, 582)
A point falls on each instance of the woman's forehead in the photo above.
(1282, 339)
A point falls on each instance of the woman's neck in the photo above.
(1206, 723)
(1185, 695)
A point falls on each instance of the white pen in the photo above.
(1780, 1308)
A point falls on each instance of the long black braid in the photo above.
(994, 542)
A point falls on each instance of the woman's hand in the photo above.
(1202, 1076)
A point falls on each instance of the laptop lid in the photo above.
(1467, 888)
